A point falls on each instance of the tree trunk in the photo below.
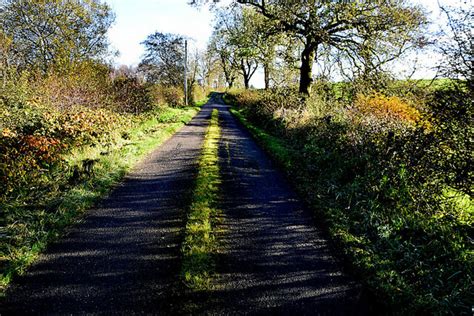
(228, 79)
(245, 74)
(246, 82)
(306, 70)
(266, 73)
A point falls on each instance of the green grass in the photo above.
(342, 90)
(40, 224)
(200, 242)
(274, 145)
(202, 102)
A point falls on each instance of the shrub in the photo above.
(452, 115)
(85, 84)
(387, 108)
(199, 93)
(273, 107)
(131, 95)
(34, 137)
(83, 126)
(172, 96)
(23, 116)
(26, 161)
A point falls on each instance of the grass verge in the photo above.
(38, 225)
(200, 242)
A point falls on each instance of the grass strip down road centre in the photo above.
(200, 243)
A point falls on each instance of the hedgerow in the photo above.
(391, 183)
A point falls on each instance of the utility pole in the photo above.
(186, 72)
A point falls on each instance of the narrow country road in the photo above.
(124, 257)
(272, 258)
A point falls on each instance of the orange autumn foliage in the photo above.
(384, 107)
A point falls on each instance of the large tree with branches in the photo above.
(360, 29)
(225, 55)
(458, 45)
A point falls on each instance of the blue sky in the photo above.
(135, 19)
